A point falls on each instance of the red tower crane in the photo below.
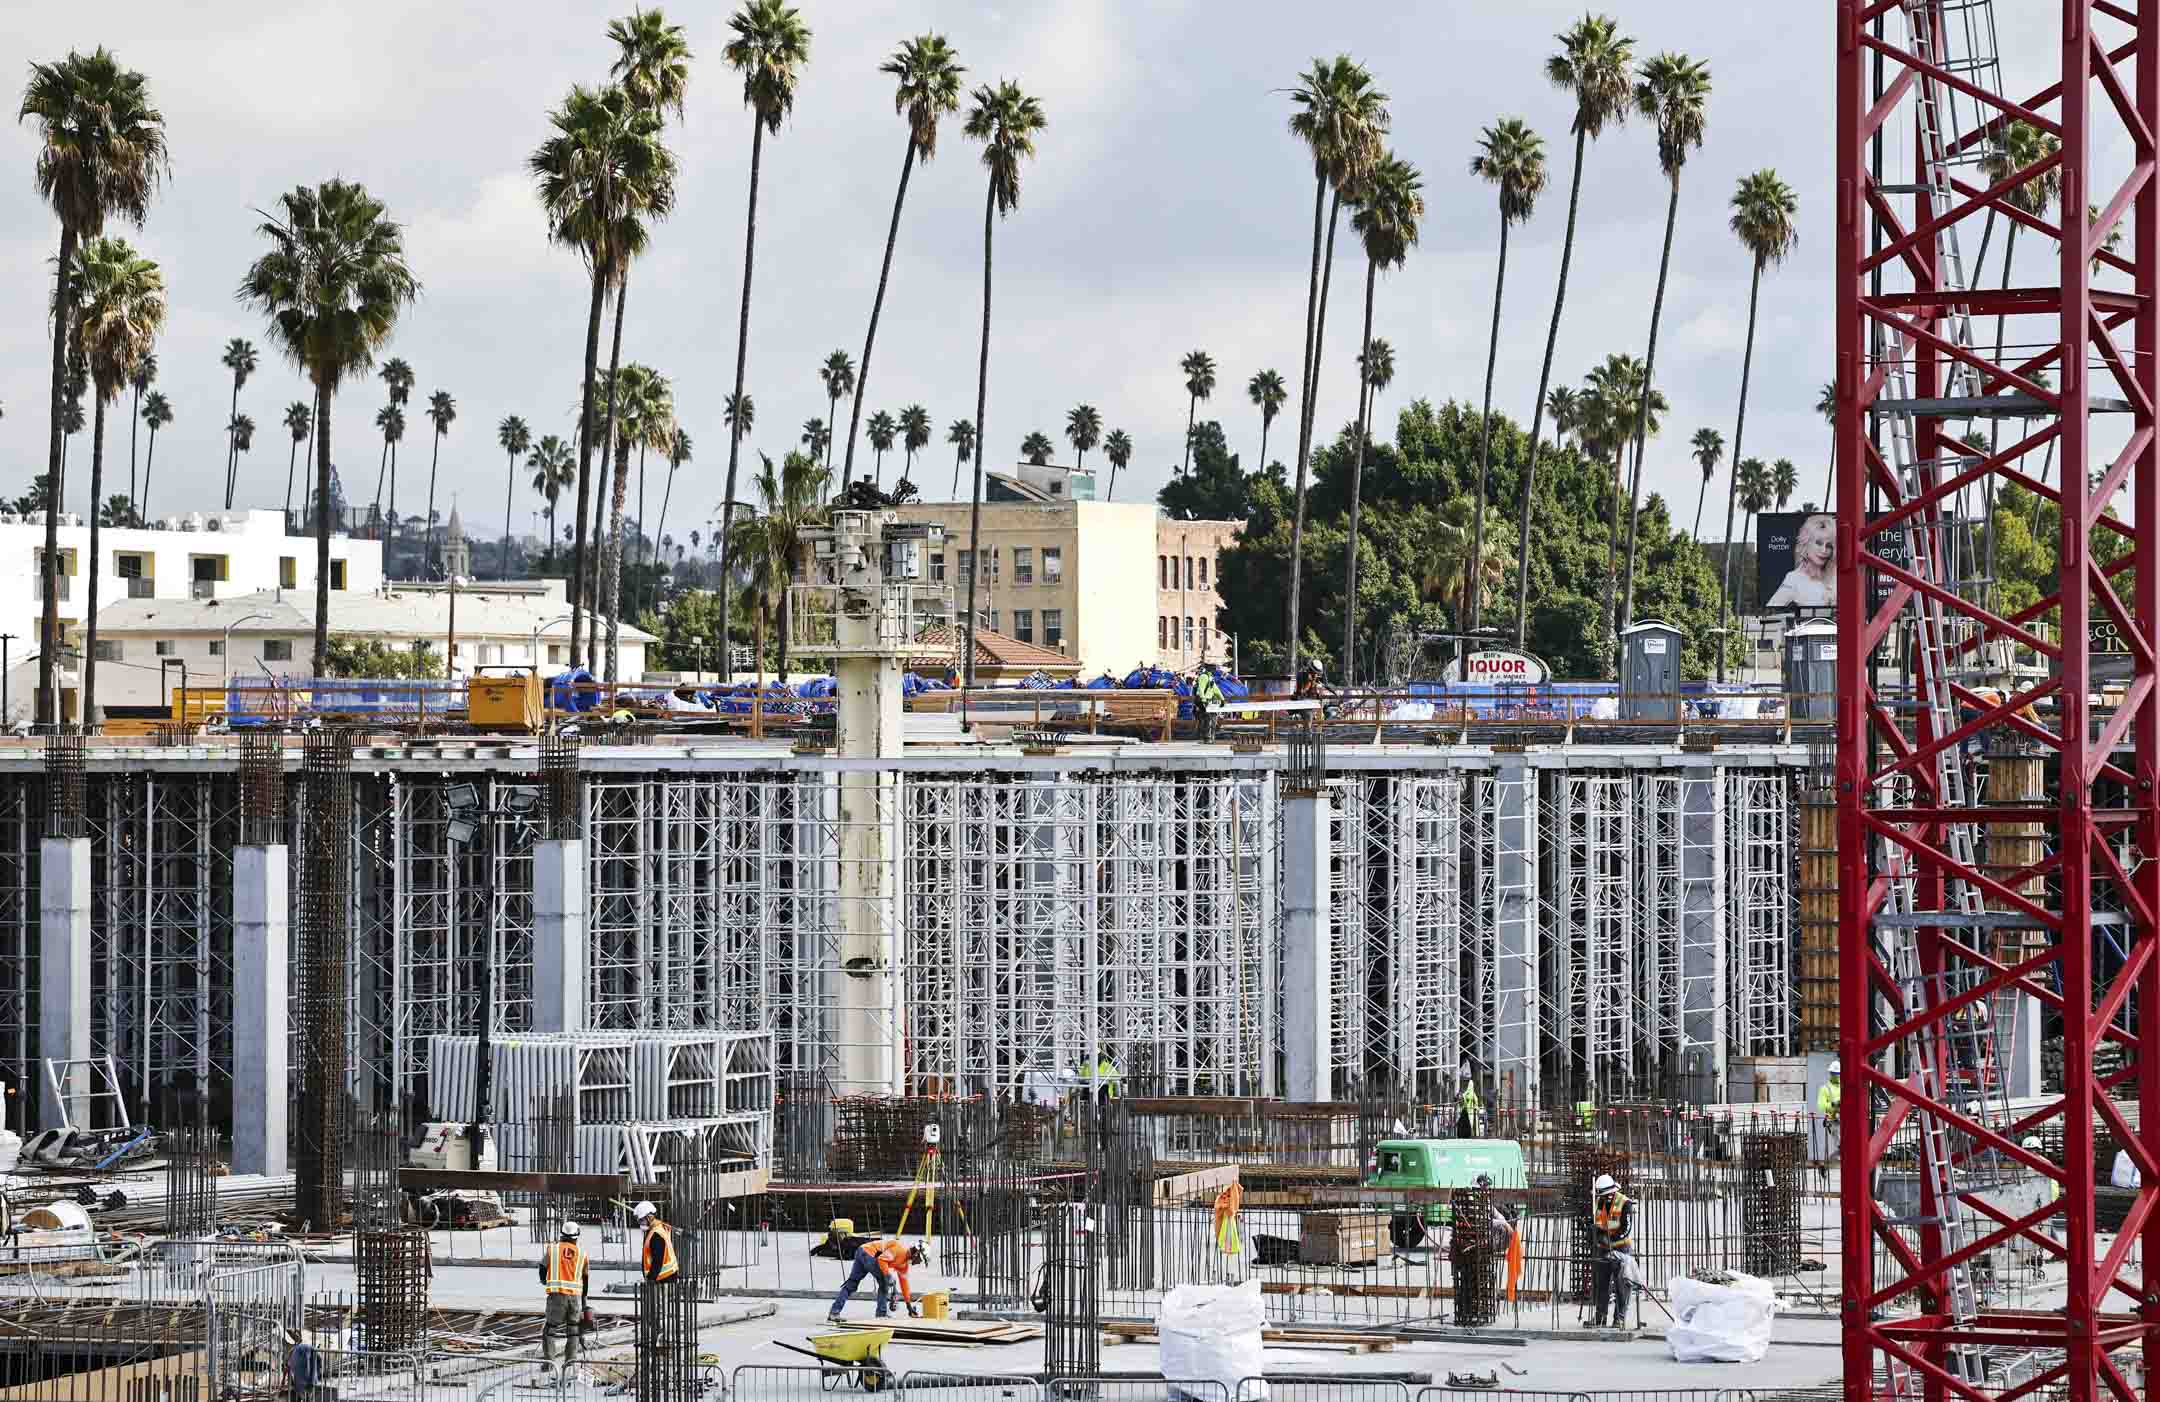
(1938, 920)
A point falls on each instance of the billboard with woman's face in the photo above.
(1796, 560)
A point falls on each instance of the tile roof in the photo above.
(1006, 653)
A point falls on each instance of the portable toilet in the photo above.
(1650, 672)
(1811, 670)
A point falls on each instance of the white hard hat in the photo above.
(2030, 1141)
(570, 1231)
(644, 1210)
(1834, 1068)
(1604, 1185)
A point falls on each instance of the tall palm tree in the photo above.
(1561, 404)
(645, 418)
(739, 413)
(1753, 488)
(788, 504)
(1618, 405)
(299, 423)
(1673, 93)
(1386, 223)
(1037, 448)
(837, 374)
(101, 154)
(397, 378)
(1784, 480)
(1594, 64)
(391, 420)
(1510, 158)
(816, 437)
(1342, 119)
(442, 412)
(554, 468)
(1118, 449)
(157, 411)
(1267, 392)
(914, 435)
(926, 86)
(239, 357)
(1763, 208)
(678, 453)
(1708, 449)
(122, 300)
(242, 432)
(140, 379)
(1006, 121)
(961, 434)
(884, 431)
(770, 47)
(514, 438)
(332, 285)
(1199, 369)
(599, 177)
(1377, 371)
(1826, 405)
(652, 61)
(1083, 429)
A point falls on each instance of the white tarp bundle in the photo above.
(1721, 1323)
(1212, 1333)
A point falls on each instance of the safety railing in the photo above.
(938, 1385)
(1471, 1394)
(1131, 1389)
(1336, 1389)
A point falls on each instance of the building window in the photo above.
(1053, 565)
(288, 572)
(278, 649)
(337, 574)
(967, 565)
(992, 625)
(1054, 628)
(1023, 565)
(1203, 571)
(1024, 625)
(217, 647)
(1188, 571)
(1188, 633)
(490, 654)
(166, 647)
(1162, 571)
(108, 650)
(990, 569)
(937, 568)
(67, 574)
(555, 650)
(1162, 632)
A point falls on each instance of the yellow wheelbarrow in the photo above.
(853, 1356)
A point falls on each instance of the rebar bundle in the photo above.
(321, 995)
(565, 794)
(879, 1137)
(1472, 1259)
(392, 1268)
(1585, 1160)
(1773, 1164)
(64, 798)
(803, 1127)
(262, 788)
(376, 1200)
(191, 1151)
(1072, 1316)
(996, 1204)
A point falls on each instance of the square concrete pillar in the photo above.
(64, 974)
(1702, 932)
(559, 944)
(262, 1007)
(1308, 987)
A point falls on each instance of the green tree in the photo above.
(1217, 488)
(1784, 480)
(1083, 429)
(121, 297)
(645, 418)
(375, 660)
(1763, 208)
(1199, 370)
(816, 438)
(884, 432)
(391, 421)
(157, 411)
(101, 155)
(441, 412)
(1754, 490)
(553, 468)
(299, 423)
(1594, 65)
(514, 437)
(1510, 158)
(1618, 404)
(239, 357)
(145, 375)
(1708, 449)
(1674, 94)
(914, 435)
(788, 505)
(1826, 405)
(678, 453)
(118, 514)
(1037, 448)
(837, 374)
(397, 377)
(1118, 448)
(961, 434)
(1268, 393)
(926, 77)
(331, 285)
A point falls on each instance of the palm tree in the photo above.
(1376, 371)
(1083, 429)
(143, 376)
(1826, 405)
(788, 501)
(331, 285)
(837, 374)
(600, 176)
(1267, 392)
(1593, 64)
(241, 431)
(397, 378)
(391, 420)
(1037, 448)
(1341, 118)
(645, 418)
(1386, 222)
(770, 47)
(1006, 121)
(1708, 449)
(1763, 207)
(926, 86)
(914, 435)
(122, 300)
(1784, 480)
(1118, 448)
(513, 437)
(1199, 369)
(1752, 486)
(1618, 406)
(739, 413)
(299, 422)
(553, 468)
(678, 453)
(1673, 93)
(884, 430)
(101, 155)
(157, 412)
(441, 412)
(816, 437)
(652, 61)
(1511, 158)
(961, 434)
(1562, 405)
(239, 357)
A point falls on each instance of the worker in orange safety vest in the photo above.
(567, 1274)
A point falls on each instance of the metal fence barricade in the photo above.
(1470, 1394)
(253, 1312)
(1322, 1390)
(751, 1382)
(1129, 1389)
(932, 1385)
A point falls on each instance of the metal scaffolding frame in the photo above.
(1503, 928)
(1590, 959)
(1660, 904)
(1761, 1005)
(20, 808)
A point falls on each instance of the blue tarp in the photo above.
(562, 696)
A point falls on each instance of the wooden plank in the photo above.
(1196, 1186)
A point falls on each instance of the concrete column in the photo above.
(871, 1030)
(560, 948)
(1702, 931)
(1516, 1009)
(1308, 950)
(262, 1007)
(64, 973)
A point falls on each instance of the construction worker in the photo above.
(1105, 1077)
(1827, 1102)
(1612, 1231)
(1469, 1111)
(1207, 700)
(657, 1255)
(567, 1274)
(885, 1260)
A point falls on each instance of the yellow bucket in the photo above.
(935, 1304)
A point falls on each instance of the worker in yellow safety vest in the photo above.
(566, 1272)
(1469, 1112)
(1827, 1101)
(1612, 1229)
(1228, 1199)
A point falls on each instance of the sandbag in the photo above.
(2123, 1174)
(1211, 1333)
(1721, 1323)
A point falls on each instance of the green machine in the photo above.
(1439, 1163)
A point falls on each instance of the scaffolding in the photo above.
(1505, 929)
(1590, 969)
(1759, 864)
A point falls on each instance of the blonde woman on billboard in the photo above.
(1811, 582)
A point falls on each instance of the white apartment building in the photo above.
(199, 557)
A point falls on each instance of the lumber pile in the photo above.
(951, 1333)
(1349, 1341)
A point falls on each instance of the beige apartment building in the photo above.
(1187, 578)
(1085, 578)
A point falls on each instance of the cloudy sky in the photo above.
(1168, 209)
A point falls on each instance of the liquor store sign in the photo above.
(1497, 668)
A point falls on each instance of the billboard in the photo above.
(1497, 667)
(1796, 560)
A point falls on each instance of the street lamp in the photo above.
(225, 646)
(469, 816)
(565, 618)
